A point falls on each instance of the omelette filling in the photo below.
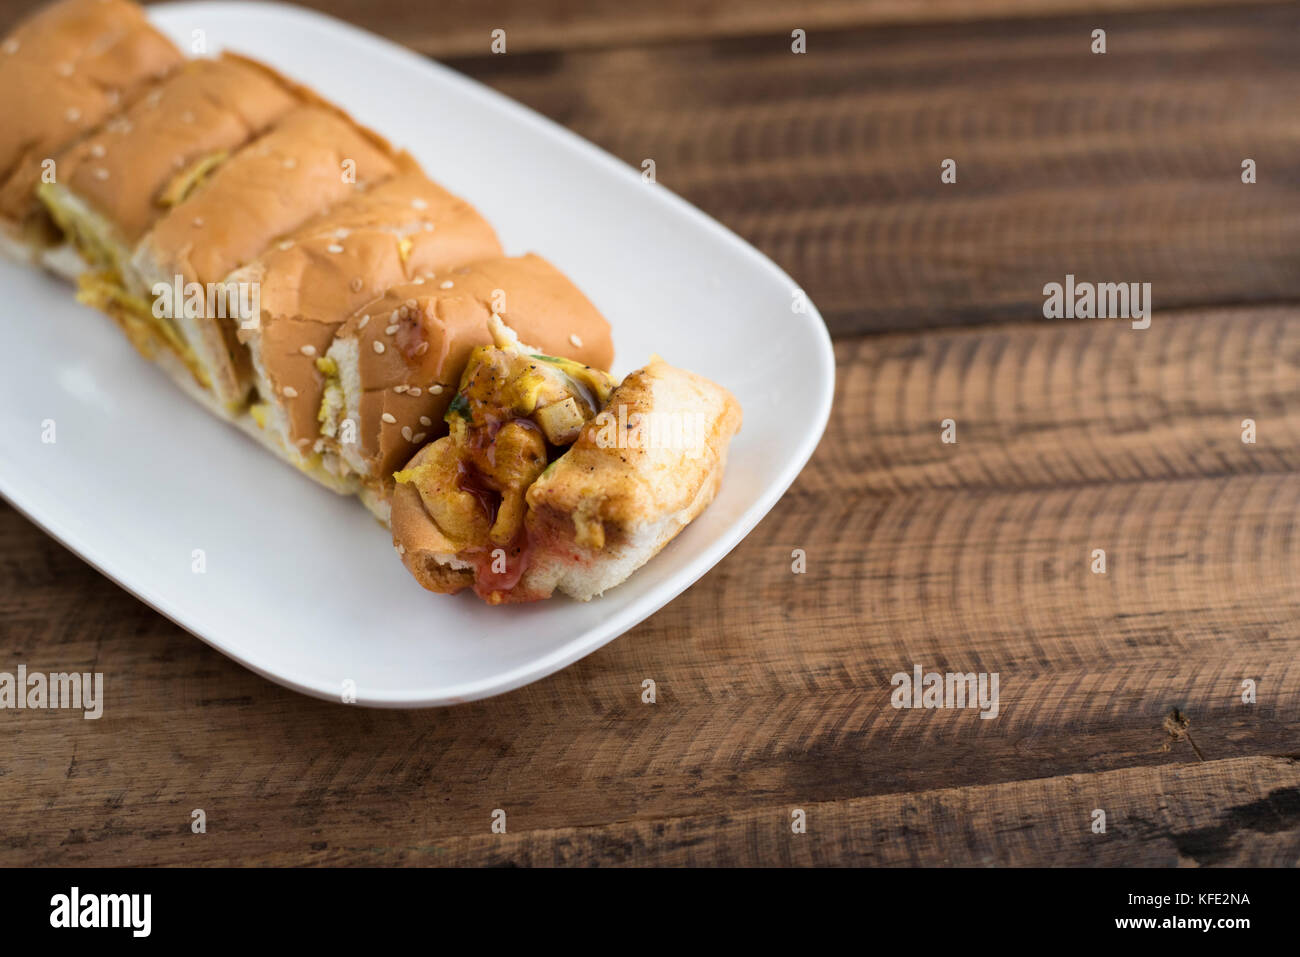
(515, 413)
(106, 292)
(102, 287)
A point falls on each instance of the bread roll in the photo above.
(64, 70)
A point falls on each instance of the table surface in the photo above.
(1120, 691)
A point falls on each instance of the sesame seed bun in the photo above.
(116, 183)
(64, 70)
(313, 158)
(313, 281)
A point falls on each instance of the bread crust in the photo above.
(127, 173)
(310, 283)
(64, 70)
(250, 202)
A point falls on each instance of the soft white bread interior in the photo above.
(638, 474)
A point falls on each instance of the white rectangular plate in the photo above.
(302, 586)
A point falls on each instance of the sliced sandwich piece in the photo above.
(63, 71)
(394, 365)
(314, 280)
(548, 483)
(113, 185)
(313, 158)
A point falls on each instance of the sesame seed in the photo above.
(446, 284)
(290, 163)
(400, 549)
(426, 421)
(114, 97)
(11, 46)
(187, 117)
(290, 392)
(73, 114)
(308, 350)
(342, 233)
(389, 418)
(411, 304)
(435, 390)
(395, 316)
(418, 203)
(391, 329)
(573, 338)
(419, 437)
(356, 284)
(334, 248)
(101, 173)
(415, 390)
(422, 348)
(287, 244)
(400, 388)
(198, 220)
(406, 432)
(379, 346)
(362, 323)
(64, 69)
(418, 280)
(98, 151)
(428, 227)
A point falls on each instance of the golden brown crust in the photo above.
(310, 283)
(647, 455)
(424, 550)
(313, 158)
(204, 111)
(411, 372)
(63, 71)
(269, 189)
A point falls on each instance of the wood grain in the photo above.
(1121, 691)
(774, 688)
(464, 27)
(1122, 167)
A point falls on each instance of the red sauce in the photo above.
(493, 586)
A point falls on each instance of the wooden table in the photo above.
(1120, 691)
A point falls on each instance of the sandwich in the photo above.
(114, 184)
(307, 282)
(394, 366)
(65, 70)
(553, 478)
(311, 282)
(313, 158)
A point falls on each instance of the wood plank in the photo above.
(1123, 167)
(1162, 817)
(463, 27)
(1065, 403)
(774, 687)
